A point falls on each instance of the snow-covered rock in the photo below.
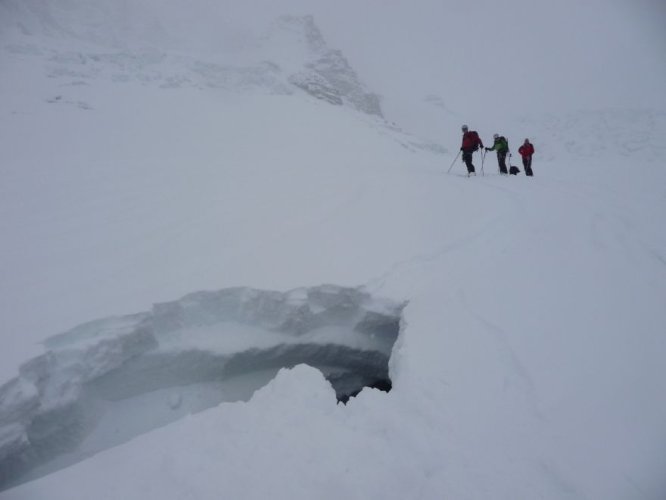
(292, 54)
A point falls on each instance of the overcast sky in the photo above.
(514, 55)
(495, 57)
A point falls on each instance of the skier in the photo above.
(470, 142)
(526, 151)
(501, 145)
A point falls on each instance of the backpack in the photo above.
(504, 144)
(471, 141)
(477, 140)
(513, 170)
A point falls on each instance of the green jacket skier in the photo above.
(501, 145)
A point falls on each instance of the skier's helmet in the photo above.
(464, 128)
(495, 136)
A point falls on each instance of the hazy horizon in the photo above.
(484, 59)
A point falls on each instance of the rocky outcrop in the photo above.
(328, 75)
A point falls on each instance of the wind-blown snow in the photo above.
(529, 363)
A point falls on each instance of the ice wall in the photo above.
(104, 382)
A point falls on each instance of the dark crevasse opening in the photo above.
(105, 382)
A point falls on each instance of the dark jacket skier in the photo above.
(501, 145)
(526, 151)
(470, 142)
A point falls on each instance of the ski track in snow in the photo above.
(517, 368)
(448, 251)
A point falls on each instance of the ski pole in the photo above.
(453, 163)
(483, 158)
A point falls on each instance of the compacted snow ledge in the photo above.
(105, 382)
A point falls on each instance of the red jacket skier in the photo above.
(470, 143)
(526, 151)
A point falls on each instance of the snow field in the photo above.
(530, 357)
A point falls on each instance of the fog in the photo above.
(483, 58)
(488, 58)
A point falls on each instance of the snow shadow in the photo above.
(107, 381)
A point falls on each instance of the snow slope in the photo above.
(529, 362)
